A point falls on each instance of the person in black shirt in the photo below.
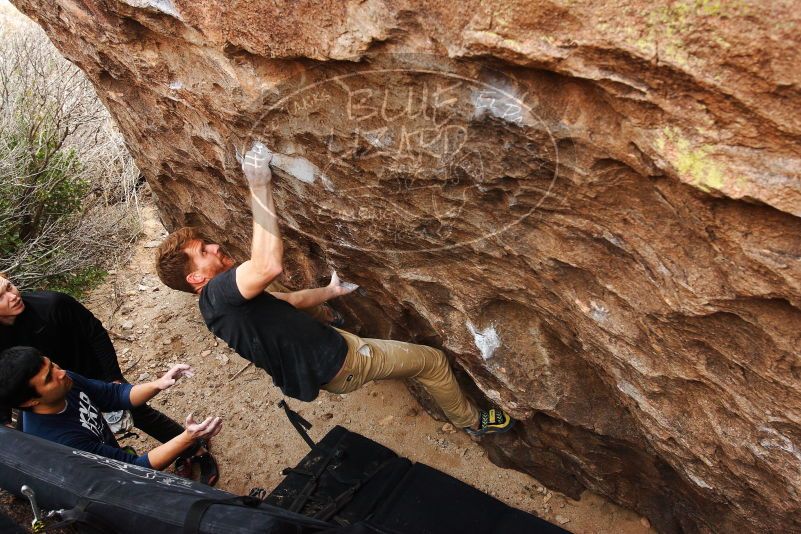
(55, 323)
(268, 328)
(61, 327)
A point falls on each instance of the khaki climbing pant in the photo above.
(379, 359)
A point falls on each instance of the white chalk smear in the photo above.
(598, 311)
(502, 101)
(486, 340)
(176, 85)
(700, 482)
(494, 396)
(302, 169)
(379, 138)
(629, 390)
(773, 439)
(165, 6)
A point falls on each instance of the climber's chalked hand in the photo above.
(256, 165)
(337, 287)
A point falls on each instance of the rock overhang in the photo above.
(594, 210)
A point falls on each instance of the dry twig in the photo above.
(240, 371)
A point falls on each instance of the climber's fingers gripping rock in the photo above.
(256, 165)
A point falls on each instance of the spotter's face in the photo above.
(11, 303)
(52, 383)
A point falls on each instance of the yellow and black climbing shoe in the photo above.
(492, 421)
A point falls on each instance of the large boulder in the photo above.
(593, 207)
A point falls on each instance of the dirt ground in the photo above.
(153, 327)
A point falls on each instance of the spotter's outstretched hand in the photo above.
(256, 165)
(171, 377)
(208, 428)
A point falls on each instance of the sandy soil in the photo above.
(154, 327)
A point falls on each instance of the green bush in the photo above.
(68, 188)
(79, 282)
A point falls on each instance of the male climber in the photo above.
(65, 407)
(302, 355)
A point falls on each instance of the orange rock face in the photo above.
(592, 206)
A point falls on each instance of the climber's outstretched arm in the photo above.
(267, 249)
(309, 298)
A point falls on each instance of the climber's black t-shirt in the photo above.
(300, 353)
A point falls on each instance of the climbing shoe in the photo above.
(492, 421)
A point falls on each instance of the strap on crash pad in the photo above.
(338, 502)
(300, 424)
(194, 516)
(79, 514)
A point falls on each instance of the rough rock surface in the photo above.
(592, 206)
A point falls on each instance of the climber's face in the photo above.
(208, 260)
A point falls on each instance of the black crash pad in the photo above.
(348, 479)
